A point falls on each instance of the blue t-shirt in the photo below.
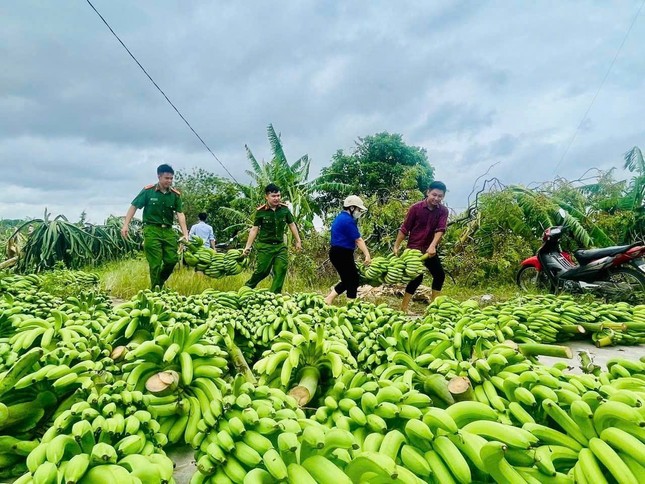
(344, 231)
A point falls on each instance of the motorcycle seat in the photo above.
(585, 256)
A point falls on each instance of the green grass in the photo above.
(123, 279)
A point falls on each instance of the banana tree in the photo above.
(635, 196)
(292, 178)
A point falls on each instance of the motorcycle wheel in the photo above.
(529, 279)
(630, 284)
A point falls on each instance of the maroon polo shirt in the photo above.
(421, 223)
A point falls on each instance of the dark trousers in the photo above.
(438, 276)
(343, 262)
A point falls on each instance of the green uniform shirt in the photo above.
(158, 208)
(272, 223)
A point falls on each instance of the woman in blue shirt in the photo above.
(345, 237)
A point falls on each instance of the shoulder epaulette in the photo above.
(283, 204)
(175, 190)
(148, 187)
(262, 207)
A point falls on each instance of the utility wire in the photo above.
(161, 91)
(613, 61)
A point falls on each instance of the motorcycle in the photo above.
(224, 246)
(616, 273)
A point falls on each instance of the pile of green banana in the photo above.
(14, 283)
(562, 318)
(32, 302)
(394, 270)
(58, 327)
(265, 437)
(228, 329)
(245, 437)
(310, 302)
(367, 323)
(364, 404)
(230, 299)
(88, 305)
(269, 314)
(549, 319)
(215, 264)
(93, 393)
(627, 326)
(139, 314)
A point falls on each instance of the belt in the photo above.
(271, 243)
(163, 226)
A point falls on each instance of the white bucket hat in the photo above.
(354, 201)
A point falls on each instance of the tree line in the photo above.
(501, 226)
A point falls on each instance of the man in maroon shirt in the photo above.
(424, 226)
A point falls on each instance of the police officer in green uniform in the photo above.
(159, 202)
(269, 227)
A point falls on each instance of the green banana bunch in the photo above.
(17, 283)
(184, 376)
(309, 302)
(394, 270)
(10, 316)
(228, 299)
(280, 445)
(215, 264)
(550, 318)
(302, 358)
(359, 403)
(247, 435)
(181, 350)
(101, 427)
(225, 319)
(368, 323)
(46, 333)
(143, 313)
(268, 314)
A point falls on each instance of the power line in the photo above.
(613, 61)
(161, 91)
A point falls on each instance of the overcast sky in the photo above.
(473, 82)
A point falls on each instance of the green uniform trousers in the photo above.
(160, 247)
(269, 257)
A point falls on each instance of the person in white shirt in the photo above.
(203, 230)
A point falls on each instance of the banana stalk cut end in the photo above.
(301, 394)
(163, 383)
(460, 389)
(118, 353)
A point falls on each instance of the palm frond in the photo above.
(234, 213)
(634, 160)
(593, 236)
(254, 163)
(276, 145)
